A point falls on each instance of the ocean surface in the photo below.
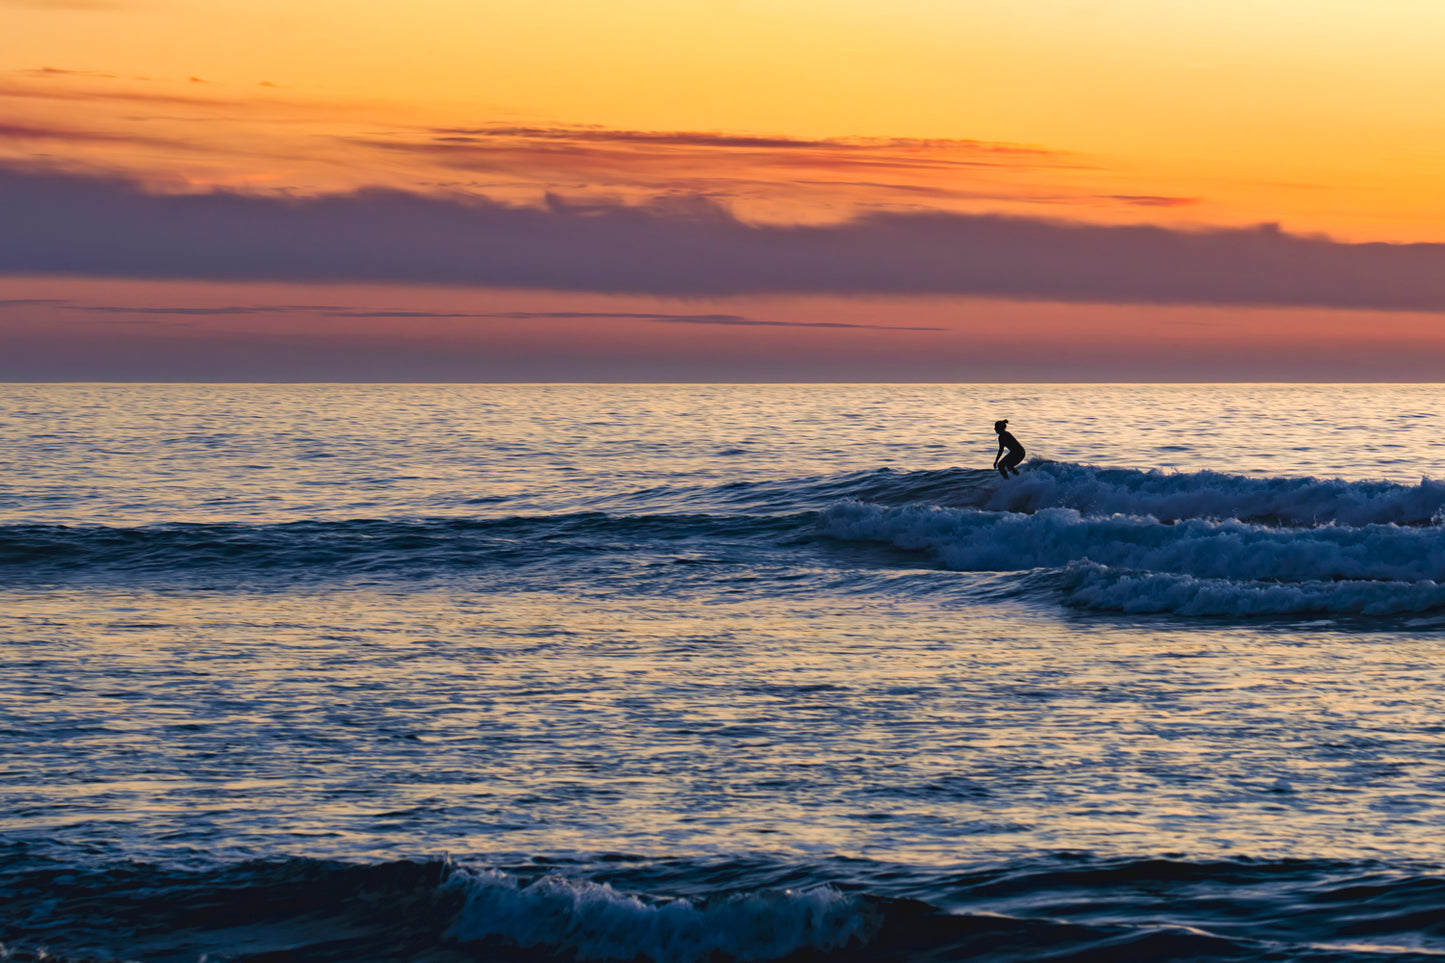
(721, 673)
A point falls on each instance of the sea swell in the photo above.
(1100, 539)
(376, 546)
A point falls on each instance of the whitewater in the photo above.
(707, 673)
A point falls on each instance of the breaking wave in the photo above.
(1167, 496)
(972, 540)
(1199, 544)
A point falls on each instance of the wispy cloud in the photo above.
(570, 134)
(138, 314)
(193, 96)
(1152, 200)
(724, 319)
(746, 168)
(596, 145)
(68, 92)
(63, 72)
(205, 311)
(66, 4)
(72, 135)
(66, 224)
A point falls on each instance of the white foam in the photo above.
(972, 540)
(1175, 495)
(592, 921)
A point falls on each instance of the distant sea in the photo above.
(721, 673)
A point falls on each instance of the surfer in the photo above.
(1015, 451)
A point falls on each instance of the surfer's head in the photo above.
(1000, 425)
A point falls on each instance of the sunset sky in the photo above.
(677, 190)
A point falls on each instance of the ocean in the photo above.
(721, 673)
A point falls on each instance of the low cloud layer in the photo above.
(65, 224)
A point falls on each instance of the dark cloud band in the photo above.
(65, 224)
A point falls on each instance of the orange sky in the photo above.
(1322, 117)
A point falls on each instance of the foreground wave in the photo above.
(684, 911)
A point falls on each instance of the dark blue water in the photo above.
(721, 673)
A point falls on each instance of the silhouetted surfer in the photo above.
(1009, 462)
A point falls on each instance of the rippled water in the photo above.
(722, 672)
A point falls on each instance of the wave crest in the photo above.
(592, 921)
(1093, 490)
(1086, 585)
(1171, 496)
